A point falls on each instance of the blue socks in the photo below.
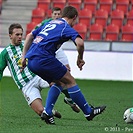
(53, 94)
(74, 93)
(79, 99)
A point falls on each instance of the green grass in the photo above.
(17, 117)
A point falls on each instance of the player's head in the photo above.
(70, 13)
(15, 33)
(56, 13)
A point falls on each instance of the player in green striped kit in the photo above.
(30, 84)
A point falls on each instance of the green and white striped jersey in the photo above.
(11, 57)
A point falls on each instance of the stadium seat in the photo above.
(30, 26)
(131, 4)
(127, 33)
(117, 17)
(85, 17)
(130, 17)
(59, 3)
(106, 5)
(112, 33)
(76, 3)
(101, 17)
(95, 32)
(48, 13)
(38, 15)
(0, 6)
(91, 5)
(81, 29)
(122, 5)
(44, 4)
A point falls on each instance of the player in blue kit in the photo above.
(60, 55)
(40, 47)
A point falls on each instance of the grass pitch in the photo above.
(17, 117)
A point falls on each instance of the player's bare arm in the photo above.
(80, 49)
(27, 44)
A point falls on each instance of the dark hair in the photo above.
(13, 26)
(69, 12)
(56, 9)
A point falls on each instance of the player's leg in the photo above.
(74, 91)
(79, 98)
(61, 56)
(33, 97)
(37, 106)
(68, 100)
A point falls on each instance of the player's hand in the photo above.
(80, 63)
(24, 63)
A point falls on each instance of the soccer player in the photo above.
(40, 47)
(30, 84)
(56, 13)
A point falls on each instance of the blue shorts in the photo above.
(49, 69)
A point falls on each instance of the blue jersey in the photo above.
(41, 55)
(49, 37)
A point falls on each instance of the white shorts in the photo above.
(61, 56)
(33, 88)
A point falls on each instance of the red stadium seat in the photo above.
(96, 31)
(112, 32)
(59, 3)
(81, 29)
(130, 17)
(1, 1)
(122, 5)
(106, 5)
(91, 5)
(76, 3)
(85, 17)
(0, 6)
(131, 4)
(30, 26)
(38, 15)
(44, 4)
(101, 17)
(127, 33)
(48, 14)
(117, 17)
